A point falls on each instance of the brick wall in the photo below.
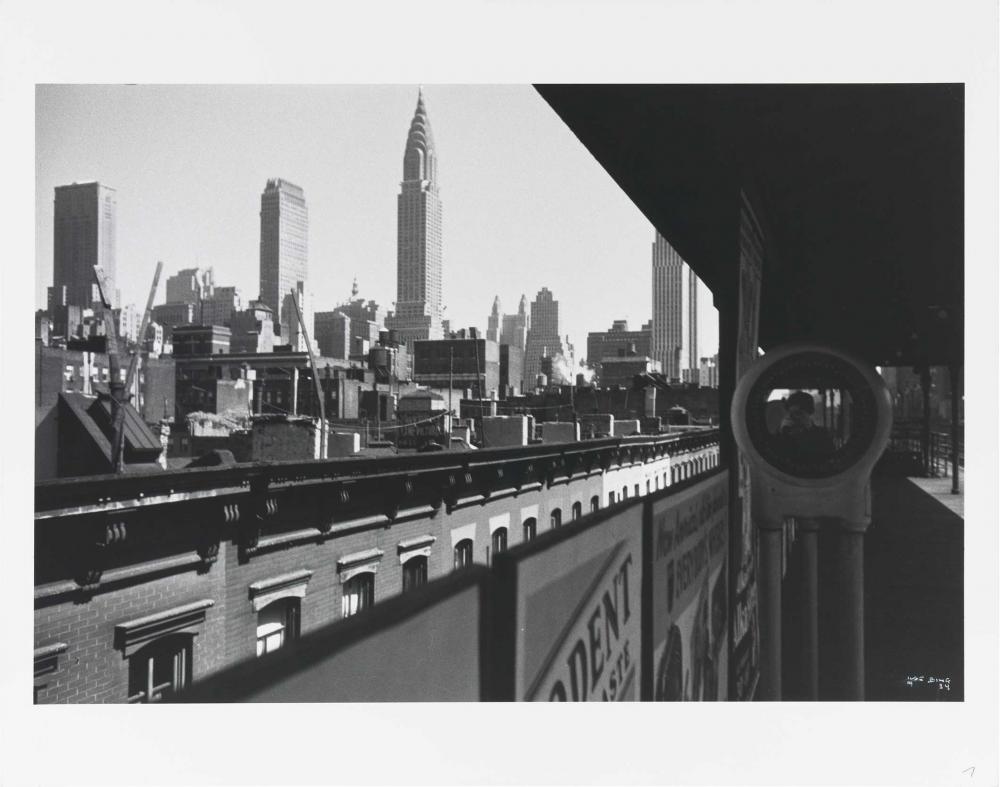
(94, 670)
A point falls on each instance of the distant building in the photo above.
(201, 340)
(418, 312)
(65, 316)
(472, 363)
(129, 321)
(511, 371)
(281, 383)
(220, 307)
(190, 285)
(154, 339)
(493, 322)
(173, 315)
(84, 236)
(621, 370)
(422, 417)
(338, 338)
(545, 340)
(252, 329)
(708, 372)
(332, 334)
(511, 329)
(675, 311)
(284, 254)
(43, 326)
(390, 360)
(618, 341)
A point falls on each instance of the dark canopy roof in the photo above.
(860, 188)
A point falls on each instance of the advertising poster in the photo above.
(745, 642)
(690, 543)
(579, 615)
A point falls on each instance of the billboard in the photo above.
(577, 612)
(745, 641)
(689, 601)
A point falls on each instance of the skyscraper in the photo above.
(84, 236)
(284, 255)
(493, 323)
(514, 327)
(675, 311)
(418, 309)
(692, 319)
(545, 340)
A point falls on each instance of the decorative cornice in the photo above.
(264, 591)
(356, 558)
(280, 582)
(47, 660)
(415, 543)
(263, 508)
(133, 634)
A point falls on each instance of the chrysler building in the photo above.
(418, 311)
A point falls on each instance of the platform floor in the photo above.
(914, 593)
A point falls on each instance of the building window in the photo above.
(624, 493)
(414, 573)
(595, 503)
(555, 518)
(611, 498)
(358, 593)
(530, 527)
(499, 540)
(277, 623)
(463, 553)
(577, 510)
(160, 669)
(636, 490)
(647, 486)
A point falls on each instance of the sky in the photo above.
(524, 204)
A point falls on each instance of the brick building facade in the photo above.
(217, 566)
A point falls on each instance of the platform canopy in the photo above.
(859, 189)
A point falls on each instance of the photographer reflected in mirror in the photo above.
(798, 436)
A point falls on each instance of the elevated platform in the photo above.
(914, 593)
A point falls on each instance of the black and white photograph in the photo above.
(365, 388)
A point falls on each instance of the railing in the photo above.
(932, 454)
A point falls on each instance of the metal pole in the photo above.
(116, 386)
(847, 650)
(770, 610)
(315, 376)
(808, 531)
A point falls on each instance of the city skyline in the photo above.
(476, 126)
